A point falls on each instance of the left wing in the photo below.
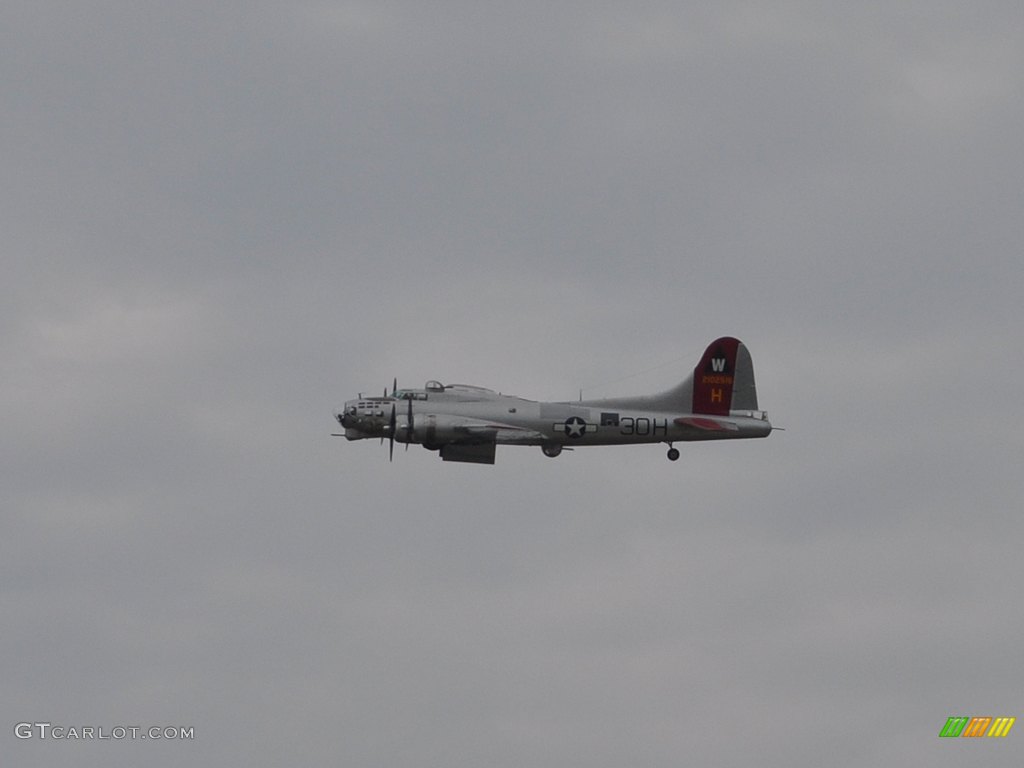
(479, 430)
(474, 440)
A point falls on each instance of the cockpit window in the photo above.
(405, 394)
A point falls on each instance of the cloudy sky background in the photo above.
(221, 221)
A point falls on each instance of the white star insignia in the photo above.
(575, 427)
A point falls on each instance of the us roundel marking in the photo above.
(575, 427)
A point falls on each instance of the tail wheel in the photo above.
(673, 454)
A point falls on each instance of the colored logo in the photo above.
(973, 727)
(575, 427)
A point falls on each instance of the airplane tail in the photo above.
(724, 379)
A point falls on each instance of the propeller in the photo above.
(385, 395)
(408, 427)
(394, 389)
(393, 422)
(391, 435)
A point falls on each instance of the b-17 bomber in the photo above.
(717, 401)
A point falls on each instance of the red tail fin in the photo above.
(714, 376)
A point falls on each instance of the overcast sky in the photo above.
(222, 220)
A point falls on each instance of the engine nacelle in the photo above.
(434, 431)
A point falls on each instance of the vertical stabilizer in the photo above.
(724, 379)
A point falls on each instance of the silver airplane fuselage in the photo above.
(465, 423)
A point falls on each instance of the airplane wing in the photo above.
(478, 430)
(474, 440)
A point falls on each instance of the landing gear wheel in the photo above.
(673, 454)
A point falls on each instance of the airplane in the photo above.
(717, 401)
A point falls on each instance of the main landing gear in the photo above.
(673, 453)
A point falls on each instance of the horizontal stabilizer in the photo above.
(706, 424)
